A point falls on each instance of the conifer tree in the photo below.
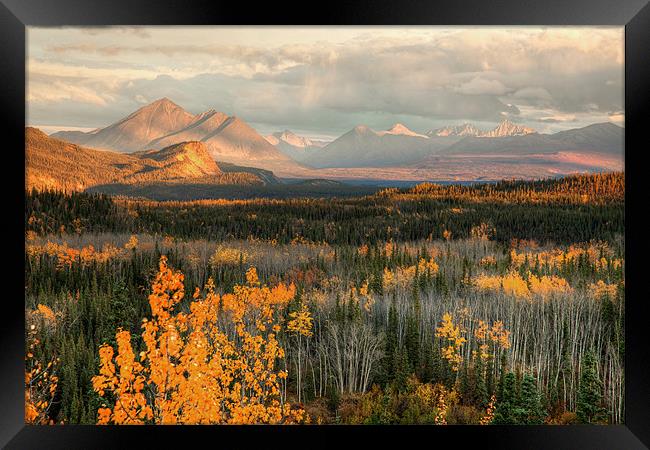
(427, 364)
(529, 408)
(480, 387)
(502, 374)
(489, 377)
(400, 369)
(412, 343)
(506, 405)
(590, 408)
(390, 344)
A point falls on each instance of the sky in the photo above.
(323, 81)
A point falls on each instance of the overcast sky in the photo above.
(323, 81)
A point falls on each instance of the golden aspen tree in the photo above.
(300, 325)
(40, 383)
(132, 243)
(215, 364)
(455, 341)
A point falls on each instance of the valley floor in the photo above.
(474, 167)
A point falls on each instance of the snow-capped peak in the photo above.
(272, 139)
(507, 128)
(289, 137)
(401, 130)
(466, 129)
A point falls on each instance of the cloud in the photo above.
(314, 79)
(536, 93)
(617, 117)
(58, 91)
(558, 118)
(481, 86)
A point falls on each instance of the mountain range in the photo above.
(296, 147)
(135, 131)
(55, 164)
(163, 122)
(365, 147)
(402, 147)
(601, 138)
(229, 139)
(505, 128)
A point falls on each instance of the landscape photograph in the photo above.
(324, 225)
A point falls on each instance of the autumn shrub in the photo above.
(41, 381)
(568, 418)
(464, 415)
(228, 256)
(419, 403)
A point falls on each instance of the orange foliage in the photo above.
(482, 232)
(496, 336)
(548, 286)
(597, 254)
(228, 256)
(364, 292)
(489, 413)
(389, 249)
(403, 277)
(66, 256)
(427, 265)
(453, 334)
(215, 364)
(307, 277)
(432, 396)
(487, 261)
(132, 244)
(514, 285)
(600, 289)
(300, 322)
(40, 384)
(363, 250)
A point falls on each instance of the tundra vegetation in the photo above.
(487, 304)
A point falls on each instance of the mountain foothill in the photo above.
(162, 143)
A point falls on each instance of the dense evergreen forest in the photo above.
(573, 209)
(497, 303)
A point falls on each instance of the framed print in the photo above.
(374, 221)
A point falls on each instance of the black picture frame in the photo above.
(15, 15)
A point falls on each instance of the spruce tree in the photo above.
(466, 388)
(489, 377)
(529, 407)
(505, 410)
(412, 343)
(400, 369)
(502, 374)
(590, 408)
(390, 344)
(353, 309)
(427, 370)
(480, 387)
(339, 314)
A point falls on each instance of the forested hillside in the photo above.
(573, 209)
(49, 164)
